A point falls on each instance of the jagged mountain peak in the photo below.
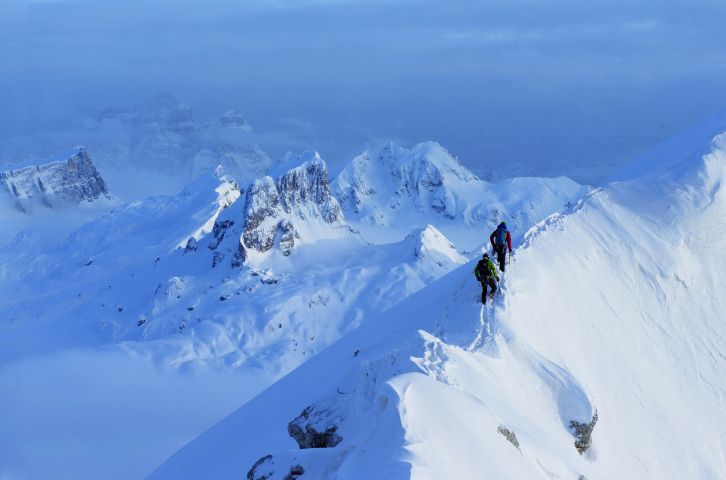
(278, 214)
(68, 178)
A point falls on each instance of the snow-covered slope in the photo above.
(67, 179)
(612, 318)
(400, 188)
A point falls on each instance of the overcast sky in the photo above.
(494, 81)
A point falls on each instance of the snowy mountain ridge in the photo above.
(174, 270)
(603, 359)
(397, 186)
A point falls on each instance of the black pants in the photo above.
(501, 256)
(484, 282)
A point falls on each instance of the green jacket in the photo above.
(485, 268)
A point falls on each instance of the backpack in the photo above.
(482, 270)
(500, 237)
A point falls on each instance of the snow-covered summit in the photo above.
(401, 188)
(426, 177)
(69, 178)
(429, 243)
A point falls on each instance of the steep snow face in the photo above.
(69, 181)
(399, 189)
(603, 358)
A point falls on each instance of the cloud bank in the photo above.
(496, 81)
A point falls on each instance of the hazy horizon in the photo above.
(546, 87)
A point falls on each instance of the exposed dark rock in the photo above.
(218, 232)
(262, 208)
(509, 435)
(266, 216)
(239, 256)
(296, 471)
(269, 280)
(270, 204)
(217, 258)
(191, 245)
(583, 433)
(288, 234)
(262, 469)
(315, 428)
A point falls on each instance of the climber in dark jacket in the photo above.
(486, 272)
(501, 240)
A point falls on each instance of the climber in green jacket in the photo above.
(488, 275)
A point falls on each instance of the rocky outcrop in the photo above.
(583, 433)
(69, 181)
(261, 213)
(279, 213)
(274, 207)
(509, 435)
(262, 469)
(315, 427)
(306, 189)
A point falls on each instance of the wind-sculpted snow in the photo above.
(69, 181)
(603, 357)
